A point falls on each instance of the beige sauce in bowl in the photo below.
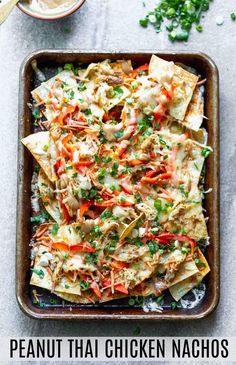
(49, 6)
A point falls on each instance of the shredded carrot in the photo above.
(49, 270)
(112, 281)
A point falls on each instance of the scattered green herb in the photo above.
(84, 285)
(36, 168)
(106, 214)
(131, 301)
(119, 134)
(183, 192)
(206, 152)
(137, 331)
(200, 262)
(118, 91)
(66, 30)
(185, 250)
(160, 300)
(38, 272)
(153, 247)
(69, 67)
(40, 218)
(114, 169)
(173, 305)
(53, 301)
(144, 123)
(101, 175)
(54, 229)
(36, 112)
(82, 86)
(87, 112)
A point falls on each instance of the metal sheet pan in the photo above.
(115, 310)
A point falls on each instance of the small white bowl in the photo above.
(53, 14)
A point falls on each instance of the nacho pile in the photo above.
(120, 158)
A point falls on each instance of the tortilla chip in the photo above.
(129, 252)
(180, 289)
(185, 270)
(200, 136)
(147, 289)
(195, 111)
(107, 296)
(73, 298)
(64, 285)
(130, 227)
(96, 74)
(48, 198)
(168, 73)
(38, 144)
(189, 161)
(41, 93)
(67, 233)
(176, 256)
(187, 215)
(139, 270)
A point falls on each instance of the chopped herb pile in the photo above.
(177, 17)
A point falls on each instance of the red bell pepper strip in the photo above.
(104, 204)
(152, 173)
(85, 247)
(106, 282)
(63, 246)
(83, 163)
(125, 204)
(122, 147)
(167, 236)
(85, 207)
(136, 72)
(105, 117)
(119, 265)
(59, 167)
(118, 287)
(95, 287)
(66, 139)
(154, 180)
(125, 190)
(135, 162)
(64, 113)
(121, 288)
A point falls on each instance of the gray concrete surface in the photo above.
(112, 25)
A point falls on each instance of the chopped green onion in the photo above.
(54, 229)
(199, 28)
(233, 16)
(131, 301)
(179, 15)
(160, 300)
(38, 272)
(144, 22)
(173, 305)
(68, 66)
(206, 152)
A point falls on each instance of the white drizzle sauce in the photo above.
(34, 197)
(150, 305)
(198, 294)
